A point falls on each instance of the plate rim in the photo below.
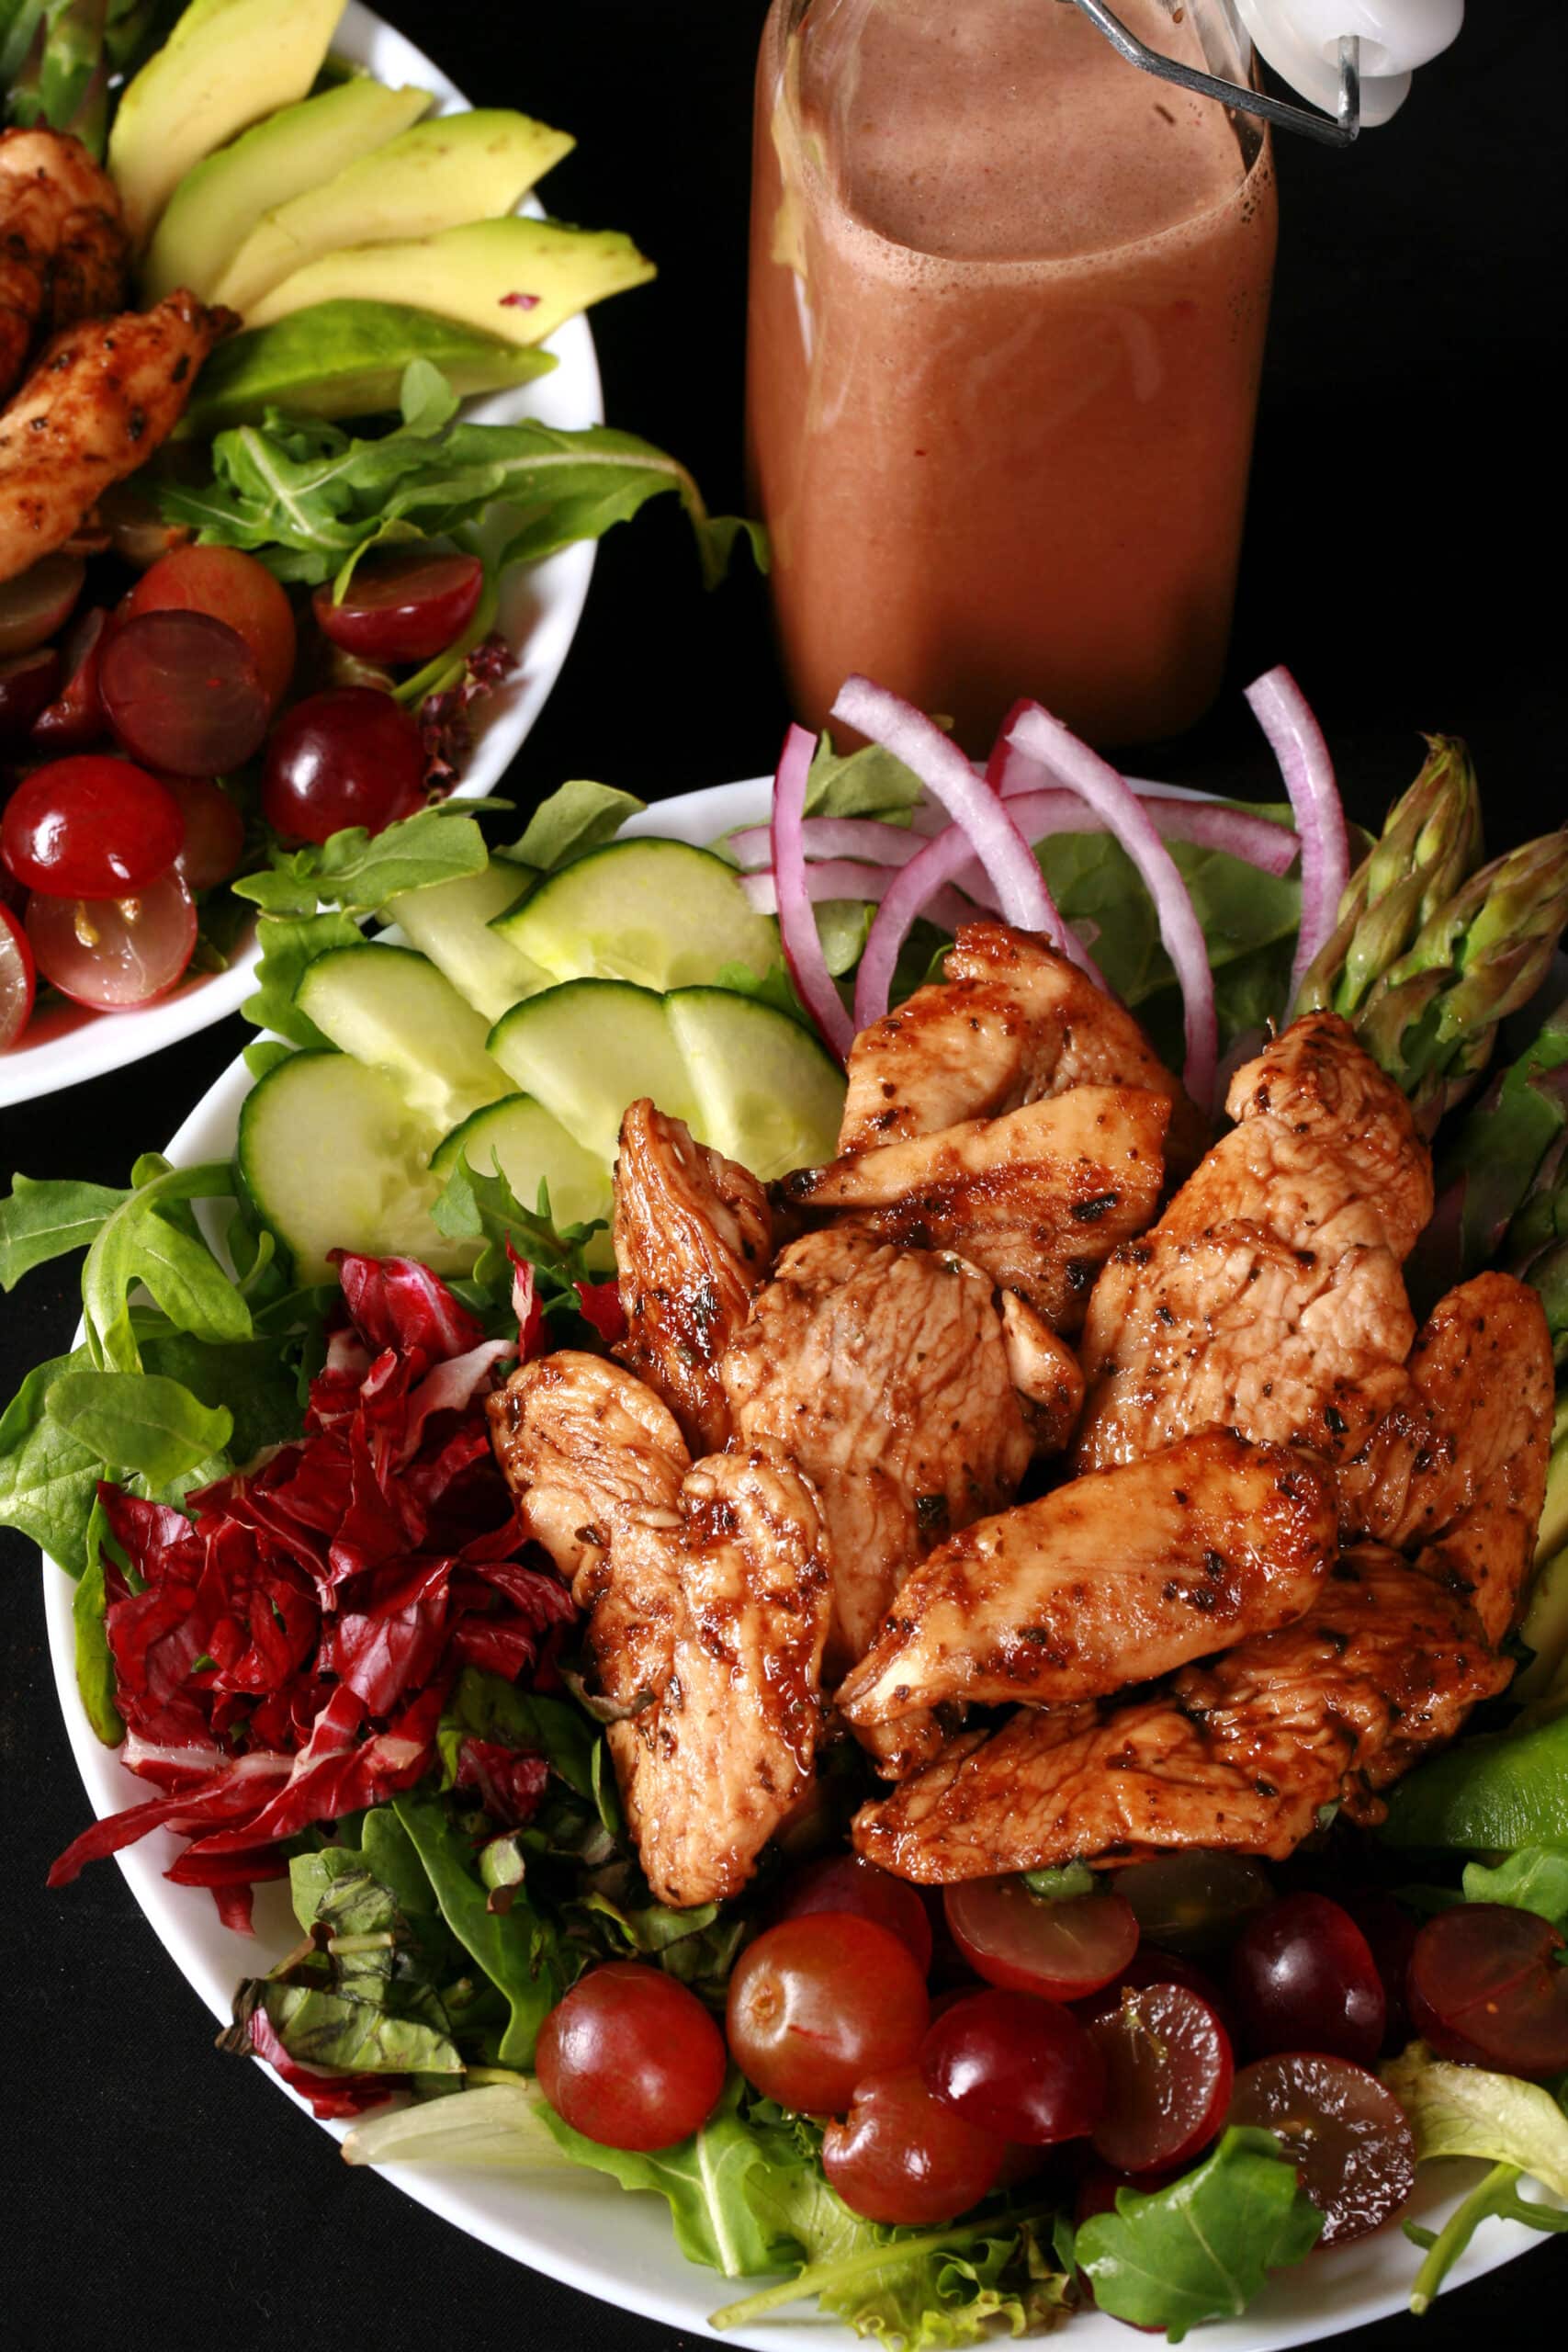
(1272, 2325)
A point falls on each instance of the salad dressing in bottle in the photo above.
(1008, 302)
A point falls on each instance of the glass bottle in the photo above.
(1008, 300)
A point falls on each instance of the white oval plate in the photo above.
(581, 2228)
(540, 606)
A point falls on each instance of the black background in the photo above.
(1404, 555)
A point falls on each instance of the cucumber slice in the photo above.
(531, 1145)
(767, 1094)
(586, 1050)
(656, 912)
(392, 1009)
(333, 1159)
(449, 923)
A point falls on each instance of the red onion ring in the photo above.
(1281, 710)
(798, 924)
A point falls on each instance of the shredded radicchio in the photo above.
(446, 723)
(284, 1658)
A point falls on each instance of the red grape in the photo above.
(37, 604)
(1194, 1902)
(232, 588)
(1303, 1977)
(1167, 2076)
(1487, 1986)
(844, 1883)
(818, 2003)
(111, 953)
(1061, 1951)
(90, 827)
(17, 979)
(907, 2157)
(28, 683)
(1015, 2065)
(348, 757)
(404, 607)
(1150, 1965)
(1390, 1930)
(630, 2058)
(215, 830)
(183, 691)
(76, 720)
(1352, 2146)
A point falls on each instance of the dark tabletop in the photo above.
(1403, 556)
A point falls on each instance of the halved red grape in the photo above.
(1168, 2071)
(90, 827)
(630, 2058)
(1061, 1951)
(1015, 2065)
(1352, 2146)
(37, 604)
(844, 1883)
(818, 2003)
(1302, 1977)
(183, 692)
(76, 719)
(348, 757)
(1152, 1965)
(28, 683)
(1487, 1985)
(18, 980)
(1194, 1902)
(215, 830)
(233, 588)
(402, 607)
(1390, 1930)
(905, 2157)
(114, 953)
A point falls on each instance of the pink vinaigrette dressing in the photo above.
(1008, 301)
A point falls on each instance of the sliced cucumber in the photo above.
(449, 922)
(767, 1094)
(333, 1159)
(658, 912)
(393, 1010)
(531, 1145)
(586, 1050)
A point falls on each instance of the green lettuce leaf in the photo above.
(1535, 1879)
(1466, 2111)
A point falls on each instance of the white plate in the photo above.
(582, 2229)
(540, 608)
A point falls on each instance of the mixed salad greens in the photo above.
(304, 1601)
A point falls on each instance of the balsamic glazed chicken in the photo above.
(1100, 1486)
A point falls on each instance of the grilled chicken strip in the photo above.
(884, 1375)
(1012, 1023)
(1239, 1756)
(1269, 1298)
(692, 1241)
(709, 1598)
(64, 253)
(1113, 1578)
(103, 396)
(1038, 1196)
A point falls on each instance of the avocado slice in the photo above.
(346, 359)
(214, 209)
(460, 167)
(226, 65)
(516, 279)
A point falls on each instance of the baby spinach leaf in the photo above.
(516, 1948)
(95, 1663)
(1093, 880)
(288, 944)
(1201, 2248)
(577, 816)
(358, 872)
(252, 1379)
(49, 1479)
(486, 1706)
(47, 1219)
(140, 1422)
(867, 783)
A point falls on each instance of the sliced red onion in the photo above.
(798, 924)
(1281, 710)
(862, 837)
(1040, 807)
(841, 877)
(1126, 816)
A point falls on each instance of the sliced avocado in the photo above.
(346, 359)
(460, 167)
(213, 211)
(226, 65)
(516, 278)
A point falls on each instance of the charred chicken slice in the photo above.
(1038, 1196)
(590, 1454)
(64, 253)
(1012, 1023)
(1113, 1578)
(693, 1239)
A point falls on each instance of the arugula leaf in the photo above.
(140, 1422)
(288, 944)
(1202, 2248)
(577, 816)
(1466, 2111)
(516, 1948)
(49, 1479)
(476, 1202)
(1535, 1879)
(41, 1220)
(144, 1242)
(358, 872)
